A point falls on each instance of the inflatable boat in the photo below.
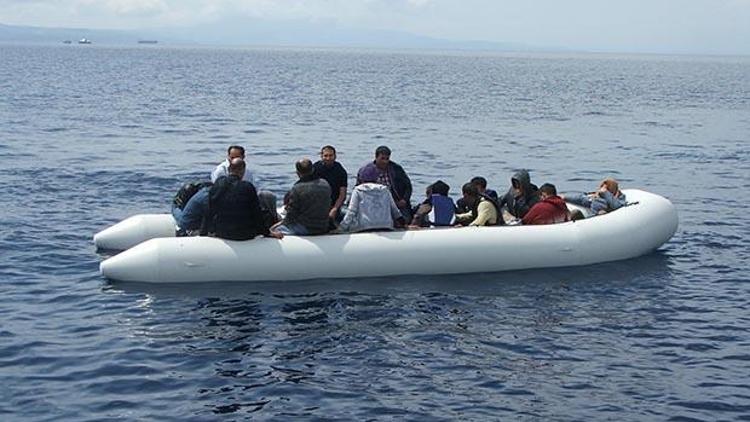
(637, 229)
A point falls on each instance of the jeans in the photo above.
(292, 229)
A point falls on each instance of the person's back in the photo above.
(443, 211)
(371, 207)
(307, 203)
(235, 209)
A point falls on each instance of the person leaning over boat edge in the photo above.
(335, 174)
(551, 209)
(371, 206)
(483, 210)
(521, 196)
(606, 198)
(393, 175)
(234, 151)
(307, 204)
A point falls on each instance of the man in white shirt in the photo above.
(234, 151)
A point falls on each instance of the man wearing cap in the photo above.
(393, 176)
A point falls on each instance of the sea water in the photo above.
(92, 134)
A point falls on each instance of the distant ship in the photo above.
(67, 42)
(147, 41)
(84, 41)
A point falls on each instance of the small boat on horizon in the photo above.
(67, 42)
(148, 42)
(84, 41)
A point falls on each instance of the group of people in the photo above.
(231, 207)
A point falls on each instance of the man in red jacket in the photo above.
(550, 210)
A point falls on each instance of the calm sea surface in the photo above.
(90, 135)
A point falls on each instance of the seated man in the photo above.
(234, 209)
(437, 210)
(550, 210)
(481, 184)
(371, 206)
(234, 151)
(607, 198)
(335, 174)
(190, 207)
(307, 204)
(483, 211)
(521, 196)
(393, 176)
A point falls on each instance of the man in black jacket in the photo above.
(234, 208)
(393, 176)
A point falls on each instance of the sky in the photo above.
(658, 26)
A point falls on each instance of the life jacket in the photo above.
(187, 191)
(443, 211)
(491, 200)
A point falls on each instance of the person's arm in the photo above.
(462, 218)
(218, 172)
(484, 213)
(339, 202)
(532, 216)
(351, 212)
(195, 210)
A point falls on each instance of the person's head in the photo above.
(440, 188)
(368, 174)
(470, 193)
(235, 151)
(480, 182)
(611, 185)
(304, 167)
(237, 167)
(382, 156)
(328, 155)
(547, 190)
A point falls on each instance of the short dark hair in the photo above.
(304, 167)
(440, 188)
(548, 188)
(231, 147)
(382, 150)
(479, 181)
(470, 189)
(325, 147)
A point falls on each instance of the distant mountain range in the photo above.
(258, 32)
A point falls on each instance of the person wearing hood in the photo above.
(371, 205)
(521, 196)
(550, 210)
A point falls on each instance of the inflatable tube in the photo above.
(134, 230)
(631, 231)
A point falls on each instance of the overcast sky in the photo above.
(676, 26)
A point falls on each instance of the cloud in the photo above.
(125, 8)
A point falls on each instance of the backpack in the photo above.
(187, 191)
